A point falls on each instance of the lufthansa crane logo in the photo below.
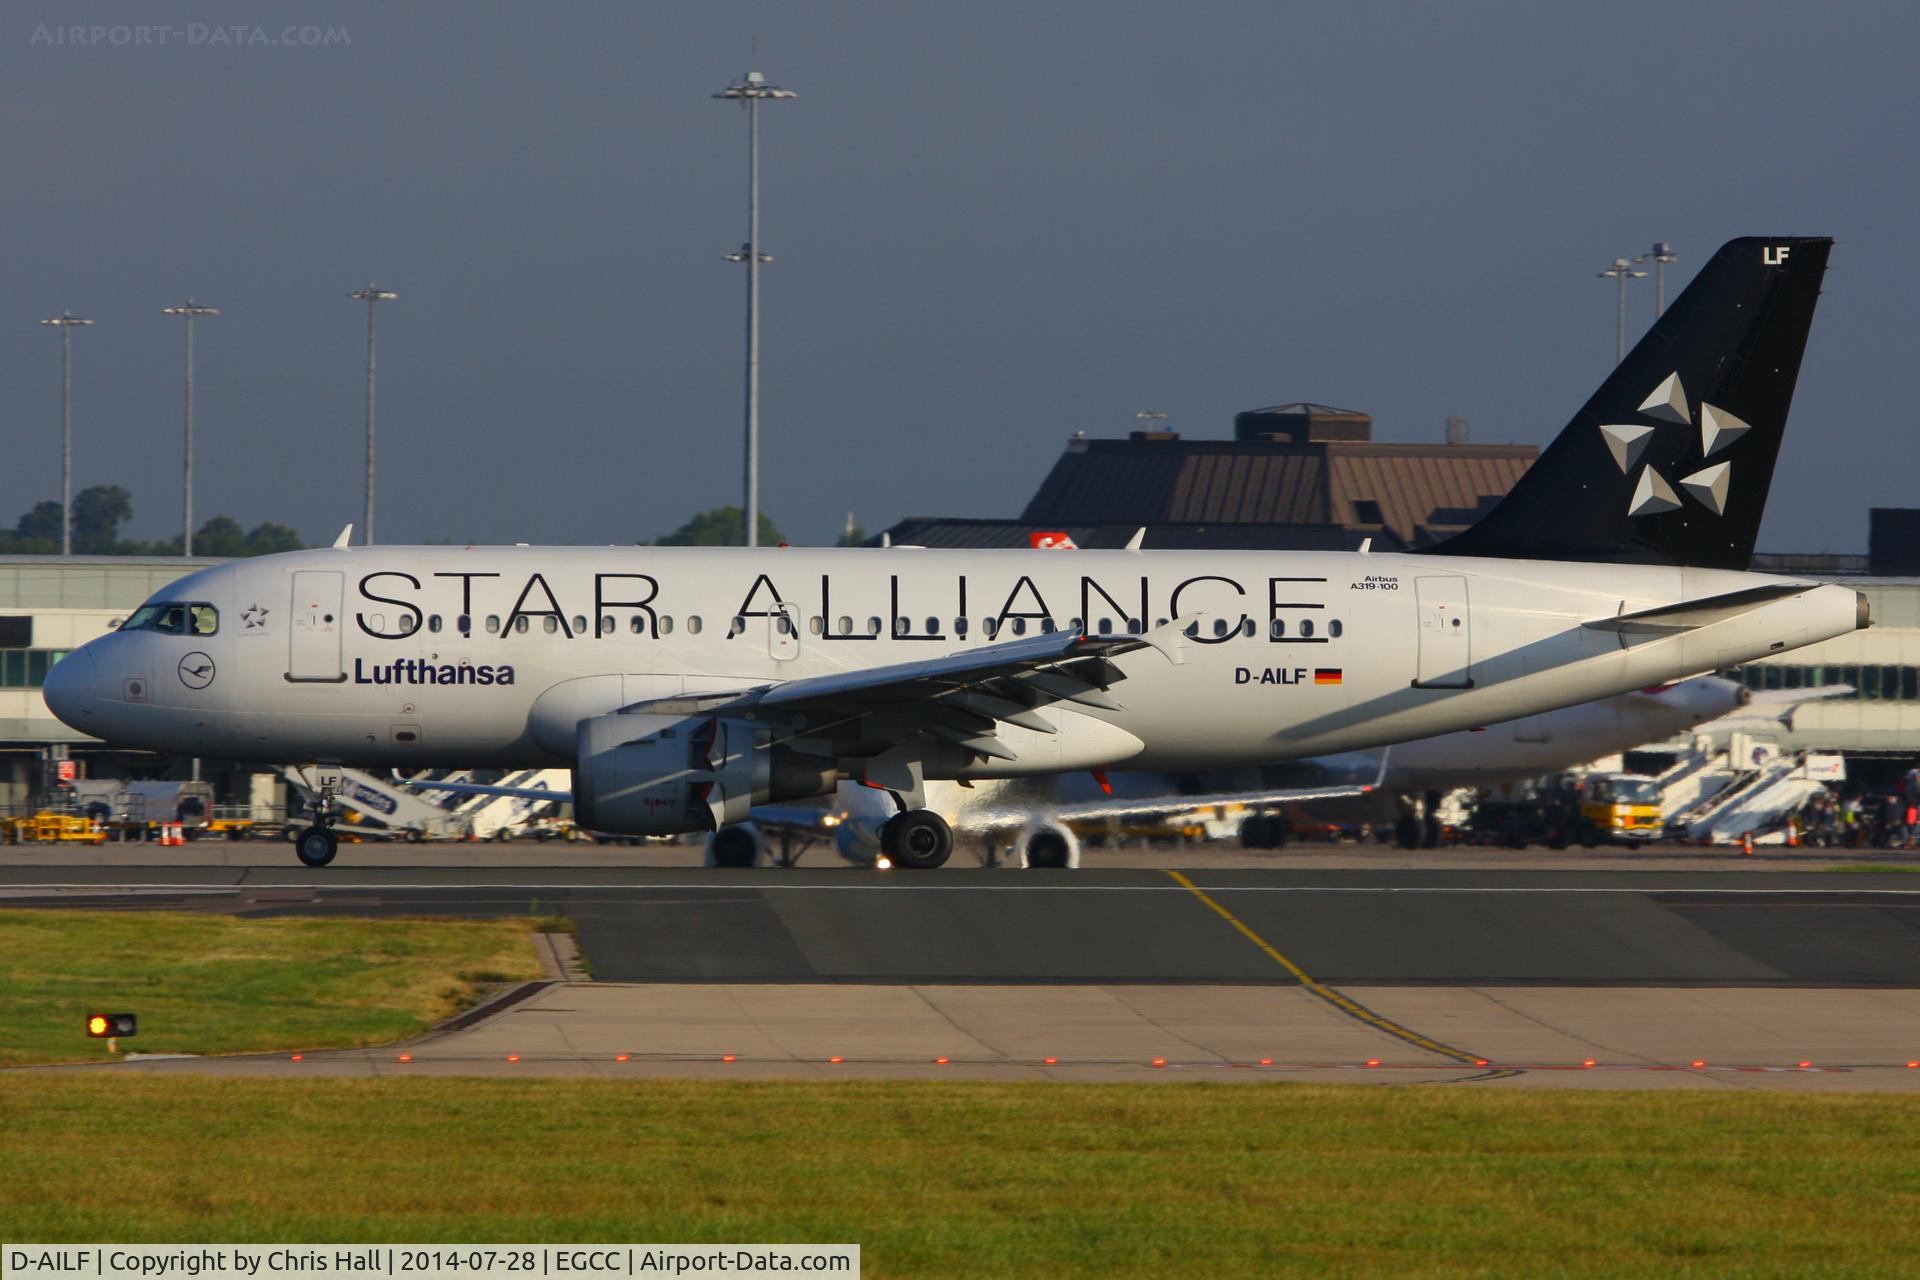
(196, 670)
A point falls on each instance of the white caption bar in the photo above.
(420, 1261)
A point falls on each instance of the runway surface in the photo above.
(1503, 977)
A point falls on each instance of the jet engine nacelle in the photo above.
(659, 775)
(1047, 845)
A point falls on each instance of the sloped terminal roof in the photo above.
(1417, 492)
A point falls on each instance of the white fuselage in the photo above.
(490, 656)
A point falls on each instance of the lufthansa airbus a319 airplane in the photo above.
(683, 686)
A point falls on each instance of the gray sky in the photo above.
(994, 224)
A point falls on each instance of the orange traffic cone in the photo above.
(1746, 844)
(1793, 834)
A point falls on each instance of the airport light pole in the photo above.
(753, 91)
(372, 295)
(66, 322)
(1623, 271)
(1661, 255)
(190, 311)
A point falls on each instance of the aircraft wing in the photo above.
(479, 789)
(961, 697)
(1139, 805)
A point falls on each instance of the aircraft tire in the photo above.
(316, 846)
(1407, 832)
(918, 840)
(734, 847)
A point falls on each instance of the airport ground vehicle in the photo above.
(1620, 807)
(47, 827)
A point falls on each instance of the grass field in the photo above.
(940, 1179)
(219, 984)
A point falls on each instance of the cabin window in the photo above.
(817, 624)
(666, 624)
(845, 626)
(737, 627)
(1279, 628)
(1019, 626)
(873, 626)
(552, 624)
(933, 626)
(493, 624)
(433, 623)
(639, 624)
(1136, 626)
(1249, 628)
(960, 628)
(579, 624)
(520, 625)
(1046, 625)
(464, 625)
(990, 627)
(606, 624)
(694, 624)
(1334, 628)
(784, 625)
(1105, 626)
(1219, 627)
(1306, 628)
(903, 626)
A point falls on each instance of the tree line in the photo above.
(98, 514)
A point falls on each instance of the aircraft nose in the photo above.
(69, 689)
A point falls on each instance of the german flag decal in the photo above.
(1326, 675)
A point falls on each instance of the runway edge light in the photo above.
(101, 1026)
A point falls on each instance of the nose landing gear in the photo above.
(317, 844)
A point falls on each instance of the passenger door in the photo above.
(1445, 633)
(313, 638)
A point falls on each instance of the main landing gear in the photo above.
(917, 839)
(317, 844)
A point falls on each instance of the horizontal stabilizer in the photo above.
(1688, 615)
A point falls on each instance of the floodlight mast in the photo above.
(371, 295)
(190, 311)
(66, 322)
(752, 91)
(1661, 256)
(1623, 271)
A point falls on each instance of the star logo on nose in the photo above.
(253, 616)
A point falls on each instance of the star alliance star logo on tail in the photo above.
(1652, 494)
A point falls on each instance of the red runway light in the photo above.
(727, 1057)
(1479, 1062)
(1914, 1064)
(1805, 1065)
(1698, 1063)
(1373, 1062)
(405, 1057)
(836, 1060)
(619, 1057)
(1588, 1063)
(299, 1057)
(1266, 1062)
(1159, 1062)
(513, 1057)
(1051, 1061)
(941, 1062)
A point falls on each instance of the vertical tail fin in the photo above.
(1671, 460)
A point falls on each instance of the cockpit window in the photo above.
(175, 618)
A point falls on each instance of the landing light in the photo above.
(883, 863)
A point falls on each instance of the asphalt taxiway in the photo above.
(1611, 978)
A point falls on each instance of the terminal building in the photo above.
(1298, 477)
